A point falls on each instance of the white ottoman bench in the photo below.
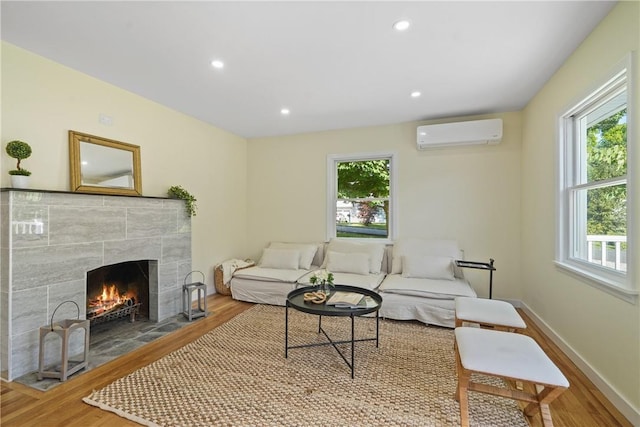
(488, 312)
(511, 357)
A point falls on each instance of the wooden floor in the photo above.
(582, 405)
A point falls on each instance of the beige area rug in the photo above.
(237, 375)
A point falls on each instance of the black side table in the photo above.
(481, 266)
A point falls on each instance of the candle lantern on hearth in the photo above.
(187, 297)
(64, 329)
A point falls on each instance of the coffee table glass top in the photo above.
(296, 300)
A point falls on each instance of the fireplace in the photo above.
(118, 291)
(42, 267)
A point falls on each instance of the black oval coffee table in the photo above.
(295, 300)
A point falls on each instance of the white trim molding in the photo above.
(332, 180)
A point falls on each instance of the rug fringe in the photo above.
(120, 413)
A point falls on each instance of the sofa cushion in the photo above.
(374, 250)
(286, 259)
(307, 252)
(339, 262)
(415, 246)
(427, 267)
(427, 288)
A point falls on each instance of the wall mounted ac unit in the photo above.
(461, 133)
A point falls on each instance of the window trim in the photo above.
(615, 283)
(332, 191)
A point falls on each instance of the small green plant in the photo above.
(23, 172)
(178, 192)
(322, 277)
(19, 150)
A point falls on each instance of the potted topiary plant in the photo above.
(178, 192)
(19, 150)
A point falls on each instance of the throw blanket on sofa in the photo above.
(230, 266)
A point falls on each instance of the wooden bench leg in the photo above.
(545, 396)
(462, 392)
(545, 413)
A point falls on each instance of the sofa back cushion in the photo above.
(427, 267)
(422, 247)
(374, 250)
(307, 252)
(282, 259)
(340, 262)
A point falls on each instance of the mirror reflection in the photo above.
(105, 166)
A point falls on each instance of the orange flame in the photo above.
(109, 298)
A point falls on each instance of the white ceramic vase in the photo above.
(19, 181)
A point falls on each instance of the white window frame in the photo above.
(332, 191)
(620, 284)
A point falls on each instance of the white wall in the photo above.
(471, 194)
(42, 100)
(601, 329)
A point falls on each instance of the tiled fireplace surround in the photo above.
(49, 240)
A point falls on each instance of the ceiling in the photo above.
(333, 64)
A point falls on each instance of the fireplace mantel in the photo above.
(50, 239)
(30, 190)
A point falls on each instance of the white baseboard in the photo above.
(632, 414)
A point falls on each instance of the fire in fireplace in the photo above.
(117, 291)
(110, 301)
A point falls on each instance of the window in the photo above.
(593, 215)
(360, 196)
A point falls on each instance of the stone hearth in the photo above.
(112, 340)
(50, 240)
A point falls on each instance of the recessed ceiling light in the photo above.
(402, 25)
(216, 63)
(285, 111)
(415, 94)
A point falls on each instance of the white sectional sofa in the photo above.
(356, 264)
(418, 279)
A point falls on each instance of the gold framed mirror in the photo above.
(104, 166)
